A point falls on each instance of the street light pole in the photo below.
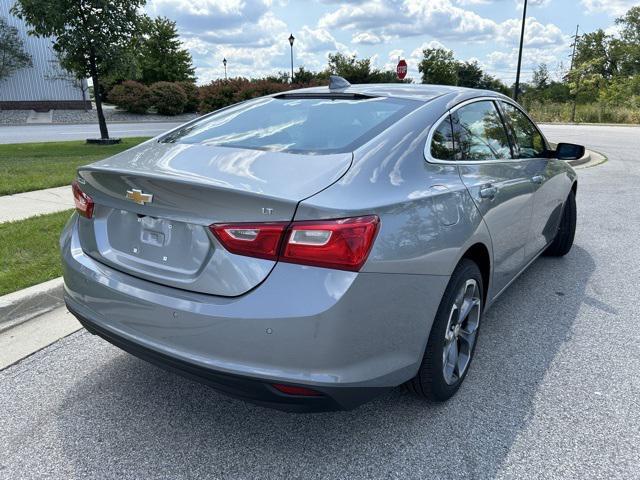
(516, 88)
(224, 62)
(291, 39)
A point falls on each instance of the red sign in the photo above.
(401, 69)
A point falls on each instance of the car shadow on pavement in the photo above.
(126, 418)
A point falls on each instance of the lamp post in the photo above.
(516, 88)
(291, 39)
(224, 62)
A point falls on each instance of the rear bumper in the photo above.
(246, 388)
(349, 336)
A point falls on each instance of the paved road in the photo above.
(59, 133)
(553, 393)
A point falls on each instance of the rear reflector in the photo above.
(84, 203)
(342, 244)
(293, 390)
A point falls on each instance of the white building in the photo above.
(45, 85)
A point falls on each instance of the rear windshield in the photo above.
(304, 125)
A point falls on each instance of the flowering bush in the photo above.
(168, 98)
(131, 96)
(221, 93)
(193, 96)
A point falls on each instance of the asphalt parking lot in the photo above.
(554, 391)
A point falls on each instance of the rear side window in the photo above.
(442, 146)
(529, 140)
(298, 125)
(479, 132)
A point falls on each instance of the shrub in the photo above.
(131, 96)
(193, 97)
(221, 93)
(168, 98)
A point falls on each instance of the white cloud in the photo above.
(611, 7)
(465, 3)
(410, 18)
(368, 38)
(503, 64)
(536, 33)
(209, 14)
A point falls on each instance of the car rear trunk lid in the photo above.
(166, 238)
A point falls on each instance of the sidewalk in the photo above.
(38, 202)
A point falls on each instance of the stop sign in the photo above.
(401, 69)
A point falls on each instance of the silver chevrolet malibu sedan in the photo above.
(313, 249)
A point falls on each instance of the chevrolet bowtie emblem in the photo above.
(139, 197)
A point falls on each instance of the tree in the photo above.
(596, 50)
(541, 77)
(350, 68)
(162, 57)
(469, 74)
(438, 66)
(487, 82)
(628, 46)
(304, 77)
(12, 54)
(357, 71)
(90, 36)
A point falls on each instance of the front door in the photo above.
(499, 185)
(544, 174)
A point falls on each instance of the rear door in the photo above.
(499, 185)
(544, 174)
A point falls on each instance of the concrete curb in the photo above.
(585, 159)
(109, 122)
(23, 305)
(595, 159)
(590, 124)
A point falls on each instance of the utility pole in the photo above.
(573, 56)
(575, 43)
(224, 62)
(516, 88)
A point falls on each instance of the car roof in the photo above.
(420, 92)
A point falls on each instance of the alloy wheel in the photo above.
(461, 332)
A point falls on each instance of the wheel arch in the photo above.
(479, 253)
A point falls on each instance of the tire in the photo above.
(432, 381)
(563, 241)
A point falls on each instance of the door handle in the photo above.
(537, 179)
(488, 191)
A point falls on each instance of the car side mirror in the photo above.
(569, 151)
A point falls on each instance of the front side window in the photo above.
(479, 133)
(442, 146)
(531, 144)
(296, 124)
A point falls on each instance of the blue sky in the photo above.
(252, 34)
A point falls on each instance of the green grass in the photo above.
(589, 113)
(29, 252)
(33, 166)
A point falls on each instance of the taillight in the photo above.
(84, 203)
(260, 240)
(342, 244)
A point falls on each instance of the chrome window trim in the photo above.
(436, 124)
